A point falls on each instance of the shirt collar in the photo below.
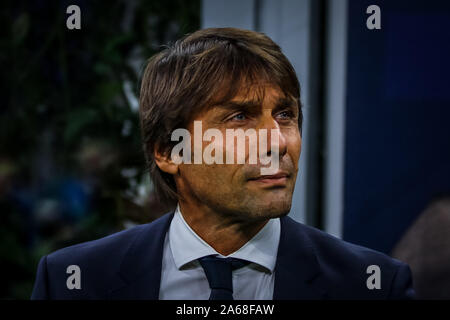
(187, 246)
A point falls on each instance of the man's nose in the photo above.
(276, 141)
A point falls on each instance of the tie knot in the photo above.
(218, 271)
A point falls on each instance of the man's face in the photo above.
(239, 191)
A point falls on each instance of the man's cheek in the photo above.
(221, 176)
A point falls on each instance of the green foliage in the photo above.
(69, 111)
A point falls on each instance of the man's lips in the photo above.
(275, 179)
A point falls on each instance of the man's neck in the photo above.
(225, 236)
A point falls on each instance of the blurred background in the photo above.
(375, 163)
(71, 162)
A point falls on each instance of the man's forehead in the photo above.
(249, 95)
(258, 92)
(254, 96)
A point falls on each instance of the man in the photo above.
(229, 237)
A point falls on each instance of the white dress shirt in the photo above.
(183, 278)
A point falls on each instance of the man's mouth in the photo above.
(278, 179)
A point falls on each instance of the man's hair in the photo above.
(205, 68)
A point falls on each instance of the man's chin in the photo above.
(254, 207)
(270, 211)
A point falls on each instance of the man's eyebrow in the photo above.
(285, 102)
(238, 105)
(249, 105)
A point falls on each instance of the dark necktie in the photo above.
(218, 271)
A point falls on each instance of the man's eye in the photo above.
(286, 114)
(239, 117)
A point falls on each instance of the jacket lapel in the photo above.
(140, 272)
(297, 271)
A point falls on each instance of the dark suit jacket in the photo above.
(310, 265)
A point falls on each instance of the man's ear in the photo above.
(165, 163)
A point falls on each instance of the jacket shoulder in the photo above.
(98, 263)
(350, 269)
(328, 247)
